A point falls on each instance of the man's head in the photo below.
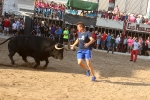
(80, 26)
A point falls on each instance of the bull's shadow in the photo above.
(63, 66)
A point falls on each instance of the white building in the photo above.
(18, 6)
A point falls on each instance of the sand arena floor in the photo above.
(117, 78)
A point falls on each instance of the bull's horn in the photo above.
(56, 47)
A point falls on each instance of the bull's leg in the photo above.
(24, 58)
(11, 54)
(46, 60)
(37, 62)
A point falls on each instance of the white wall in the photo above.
(10, 5)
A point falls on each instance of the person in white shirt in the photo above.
(14, 28)
(135, 48)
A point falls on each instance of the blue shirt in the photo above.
(84, 38)
(59, 31)
(108, 38)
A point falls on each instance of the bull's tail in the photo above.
(6, 40)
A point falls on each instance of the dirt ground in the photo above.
(117, 78)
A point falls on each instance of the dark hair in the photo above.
(81, 24)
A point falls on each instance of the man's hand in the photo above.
(72, 47)
(86, 44)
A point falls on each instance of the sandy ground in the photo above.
(117, 78)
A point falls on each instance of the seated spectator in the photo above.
(103, 14)
(99, 14)
(116, 17)
(138, 20)
(70, 11)
(106, 15)
(82, 13)
(132, 18)
(75, 12)
(124, 17)
(146, 21)
(116, 10)
(110, 15)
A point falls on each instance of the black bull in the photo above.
(39, 48)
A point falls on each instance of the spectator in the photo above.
(42, 29)
(1, 29)
(47, 9)
(110, 15)
(37, 6)
(132, 18)
(71, 36)
(117, 42)
(138, 20)
(6, 26)
(22, 27)
(130, 41)
(66, 37)
(112, 44)
(103, 37)
(58, 34)
(136, 45)
(125, 44)
(141, 42)
(14, 28)
(98, 41)
(108, 40)
(116, 10)
(53, 30)
(18, 25)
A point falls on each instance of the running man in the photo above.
(84, 53)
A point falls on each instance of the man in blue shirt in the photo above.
(58, 34)
(84, 53)
(108, 41)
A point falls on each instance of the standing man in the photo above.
(66, 37)
(6, 26)
(112, 44)
(136, 45)
(84, 53)
(104, 37)
(108, 40)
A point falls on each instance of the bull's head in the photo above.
(58, 52)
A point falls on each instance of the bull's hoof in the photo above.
(35, 66)
(44, 67)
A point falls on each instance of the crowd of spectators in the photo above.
(116, 15)
(11, 25)
(119, 43)
(90, 14)
(57, 10)
(49, 9)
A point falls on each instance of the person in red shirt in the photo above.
(103, 37)
(6, 26)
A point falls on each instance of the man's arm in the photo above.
(75, 43)
(90, 42)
